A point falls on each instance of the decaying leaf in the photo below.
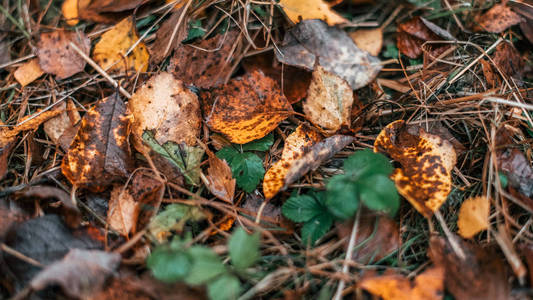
(473, 216)
(69, 8)
(80, 273)
(219, 179)
(205, 64)
(427, 160)
(508, 60)
(28, 72)
(313, 40)
(329, 100)
(369, 40)
(163, 45)
(497, 19)
(415, 32)
(123, 211)
(481, 275)
(296, 145)
(110, 51)
(246, 108)
(62, 129)
(57, 57)
(428, 285)
(100, 152)
(298, 10)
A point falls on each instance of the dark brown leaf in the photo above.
(497, 19)
(415, 32)
(163, 36)
(508, 60)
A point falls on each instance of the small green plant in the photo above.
(198, 265)
(365, 181)
(246, 167)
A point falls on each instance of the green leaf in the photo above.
(167, 265)
(247, 169)
(262, 144)
(174, 218)
(379, 193)
(301, 208)
(205, 266)
(365, 163)
(316, 228)
(228, 153)
(342, 199)
(195, 31)
(243, 249)
(225, 287)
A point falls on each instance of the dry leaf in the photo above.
(335, 51)
(527, 29)
(369, 40)
(5, 151)
(100, 152)
(109, 52)
(115, 5)
(427, 160)
(87, 11)
(30, 122)
(69, 8)
(123, 211)
(415, 32)
(205, 64)
(296, 145)
(473, 216)
(329, 100)
(246, 108)
(167, 108)
(163, 36)
(57, 57)
(62, 129)
(299, 10)
(497, 19)
(518, 170)
(271, 216)
(28, 72)
(219, 179)
(508, 60)
(428, 285)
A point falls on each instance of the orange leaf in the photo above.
(473, 216)
(123, 211)
(28, 72)
(298, 10)
(69, 8)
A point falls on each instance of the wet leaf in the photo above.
(415, 32)
(244, 248)
(123, 211)
(427, 162)
(335, 51)
(205, 64)
(428, 285)
(246, 108)
(57, 57)
(28, 72)
(219, 179)
(100, 152)
(298, 10)
(69, 8)
(296, 146)
(62, 129)
(80, 274)
(473, 216)
(329, 100)
(110, 51)
(497, 19)
(369, 40)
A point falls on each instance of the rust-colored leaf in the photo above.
(497, 19)
(508, 60)
(415, 32)
(427, 161)
(62, 129)
(246, 108)
(473, 216)
(296, 145)
(28, 72)
(428, 285)
(298, 10)
(110, 51)
(69, 8)
(329, 100)
(100, 152)
(207, 63)
(57, 57)
(123, 211)
(219, 179)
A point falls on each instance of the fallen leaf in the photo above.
(5, 151)
(482, 275)
(57, 57)
(473, 216)
(123, 211)
(369, 40)
(160, 49)
(527, 29)
(317, 155)
(298, 10)
(491, 77)
(312, 40)
(329, 100)
(219, 179)
(415, 32)
(508, 60)
(81, 273)
(246, 108)
(115, 5)
(296, 145)
(518, 170)
(427, 160)
(172, 219)
(110, 51)
(87, 12)
(28, 72)
(271, 215)
(62, 129)
(205, 64)
(69, 8)
(428, 285)
(31, 122)
(497, 19)
(100, 152)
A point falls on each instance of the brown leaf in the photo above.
(428, 285)
(57, 57)
(313, 40)
(123, 211)
(473, 216)
(329, 100)
(62, 129)
(271, 217)
(5, 151)
(481, 275)
(508, 60)
(427, 162)
(28, 72)
(166, 107)
(80, 273)
(369, 40)
(115, 5)
(298, 10)
(163, 36)
(100, 152)
(527, 29)
(207, 63)
(497, 19)
(246, 108)
(219, 179)
(518, 170)
(87, 12)
(415, 32)
(296, 145)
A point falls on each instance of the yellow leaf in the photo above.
(473, 216)
(28, 72)
(69, 8)
(298, 10)
(110, 50)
